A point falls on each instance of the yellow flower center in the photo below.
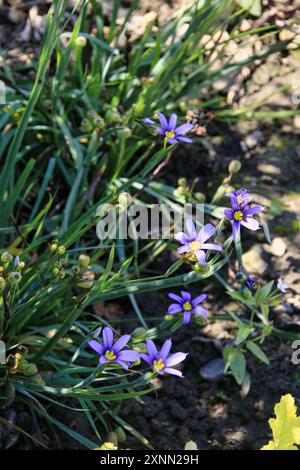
(170, 134)
(187, 306)
(110, 355)
(158, 365)
(195, 245)
(239, 199)
(238, 215)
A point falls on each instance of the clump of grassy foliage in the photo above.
(72, 140)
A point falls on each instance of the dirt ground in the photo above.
(214, 414)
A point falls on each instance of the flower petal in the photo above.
(163, 121)
(175, 297)
(128, 355)
(122, 341)
(185, 139)
(166, 347)
(148, 121)
(170, 371)
(173, 121)
(234, 202)
(186, 318)
(200, 311)
(121, 363)
(181, 237)
(184, 249)
(152, 350)
(253, 210)
(185, 295)
(198, 300)
(172, 141)
(160, 131)
(228, 213)
(251, 224)
(206, 232)
(211, 246)
(103, 360)
(96, 346)
(191, 229)
(146, 358)
(200, 255)
(174, 308)
(184, 128)
(175, 359)
(236, 229)
(108, 338)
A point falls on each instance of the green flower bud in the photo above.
(31, 369)
(62, 273)
(92, 114)
(200, 197)
(86, 280)
(23, 364)
(6, 257)
(112, 115)
(120, 434)
(99, 122)
(139, 333)
(124, 199)
(2, 284)
(86, 125)
(61, 250)
(140, 347)
(124, 132)
(37, 379)
(84, 261)
(234, 166)
(113, 438)
(181, 191)
(15, 277)
(182, 182)
(80, 41)
(21, 265)
(55, 271)
(168, 317)
(53, 247)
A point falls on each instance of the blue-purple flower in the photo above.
(114, 352)
(161, 362)
(241, 214)
(282, 286)
(169, 130)
(187, 306)
(195, 243)
(251, 282)
(242, 195)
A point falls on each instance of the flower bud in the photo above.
(61, 250)
(86, 280)
(86, 125)
(200, 197)
(234, 166)
(15, 277)
(139, 333)
(181, 191)
(84, 261)
(80, 41)
(98, 122)
(55, 271)
(120, 434)
(22, 350)
(112, 115)
(140, 347)
(168, 317)
(124, 199)
(108, 446)
(112, 438)
(124, 132)
(53, 247)
(182, 182)
(21, 265)
(2, 284)
(6, 257)
(31, 369)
